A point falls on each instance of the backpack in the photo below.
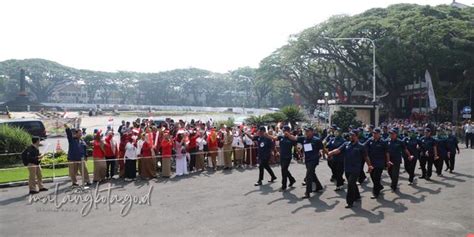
(24, 156)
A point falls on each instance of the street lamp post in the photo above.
(326, 102)
(374, 98)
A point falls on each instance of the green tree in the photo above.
(345, 117)
(293, 114)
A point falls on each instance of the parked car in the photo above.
(35, 127)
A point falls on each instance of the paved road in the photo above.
(226, 203)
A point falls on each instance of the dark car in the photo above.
(33, 126)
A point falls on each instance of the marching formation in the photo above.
(156, 148)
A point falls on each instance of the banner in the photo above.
(431, 94)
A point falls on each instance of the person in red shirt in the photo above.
(212, 143)
(110, 155)
(98, 153)
(148, 164)
(166, 153)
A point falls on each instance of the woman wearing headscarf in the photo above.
(180, 148)
(166, 154)
(130, 159)
(98, 153)
(212, 142)
(147, 161)
(200, 142)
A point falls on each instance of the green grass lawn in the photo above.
(21, 173)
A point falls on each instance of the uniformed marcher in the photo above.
(378, 154)
(453, 148)
(429, 153)
(385, 135)
(413, 145)
(443, 150)
(362, 140)
(286, 151)
(264, 143)
(395, 149)
(337, 161)
(312, 146)
(330, 136)
(353, 152)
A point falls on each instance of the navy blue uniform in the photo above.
(395, 149)
(354, 153)
(376, 150)
(413, 145)
(264, 149)
(443, 149)
(337, 162)
(428, 147)
(311, 147)
(286, 146)
(453, 147)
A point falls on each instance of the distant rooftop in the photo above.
(459, 5)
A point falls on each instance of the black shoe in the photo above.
(332, 179)
(75, 185)
(451, 171)
(33, 192)
(374, 196)
(292, 182)
(304, 183)
(43, 189)
(349, 206)
(258, 183)
(306, 195)
(88, 184)
(272, 180)
(282, 189)
(440, 175)
(446, 169)
(428, 178)
(422, 177)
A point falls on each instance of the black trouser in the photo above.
(376, 176)
(110, 170)
(192, 161)
(352, 189)
(410, 167)
(285, 173)
(311, 178)
(469, 139)
(439, 164)
(452, 158)
(394, 172)
(362, 175)
(338, 172)
(426, 163)
(130, 169)
(264, 165)
(331, 164)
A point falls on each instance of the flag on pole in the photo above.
(431, 94)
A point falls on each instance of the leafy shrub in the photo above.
(88, 138)
(345, 117)
(13, 141)
(59, 161)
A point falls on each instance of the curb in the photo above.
(25, 183)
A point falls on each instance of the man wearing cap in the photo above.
(337, 162)
(312, 146)
(395, 149)
(429, 153)
(378, 154)
(413, 145)
(353, 153)
(264, 143)
(362, 176)
(453, 147)
(286, 146)
(443, 151)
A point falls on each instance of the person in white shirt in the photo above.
(130, 160)
(469, 134)
(238, 145)
(200, 142)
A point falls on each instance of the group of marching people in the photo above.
(347, 153)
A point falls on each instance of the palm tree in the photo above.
(293, 114)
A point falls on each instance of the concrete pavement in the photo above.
(227, 203)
